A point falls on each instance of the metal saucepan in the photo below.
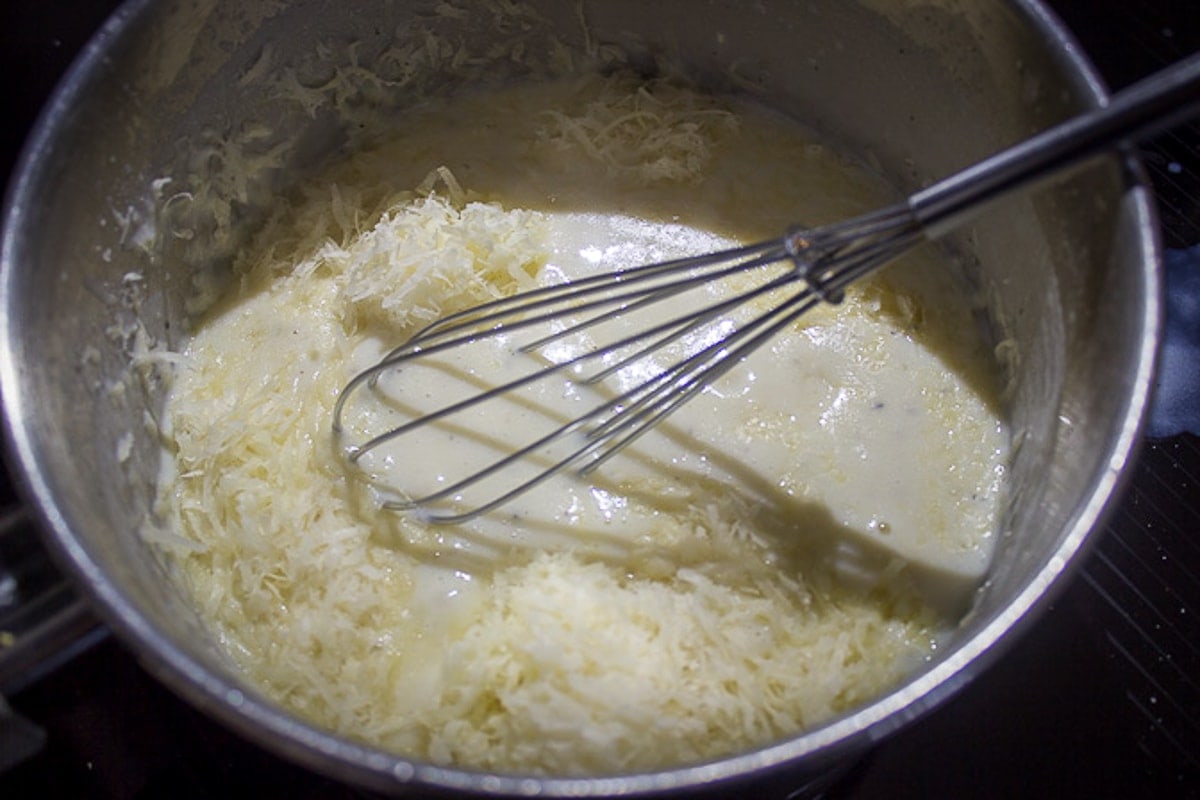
(94, 247)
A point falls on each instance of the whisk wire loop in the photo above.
(620, 421)
(820, 263)
(503, 316)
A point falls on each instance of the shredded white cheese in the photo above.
(639, 633)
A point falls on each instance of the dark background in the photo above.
(1100, 698)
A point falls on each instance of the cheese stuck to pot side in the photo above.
(790, 545)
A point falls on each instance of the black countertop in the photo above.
(1100, 698)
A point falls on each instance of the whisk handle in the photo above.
(1154, 104)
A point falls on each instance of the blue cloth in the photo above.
(1176, 403)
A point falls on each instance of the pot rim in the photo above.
(260, 721)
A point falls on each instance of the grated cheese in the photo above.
(622, 632)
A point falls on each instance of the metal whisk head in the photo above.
(619, 352)
(644, 341)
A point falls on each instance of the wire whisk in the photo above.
(621, 351)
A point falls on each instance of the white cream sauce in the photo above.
(847, 428)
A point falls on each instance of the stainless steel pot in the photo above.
(130, 195)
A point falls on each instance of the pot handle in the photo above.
(44, 622)
(1176, 404)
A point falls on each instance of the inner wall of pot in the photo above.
(178, 140)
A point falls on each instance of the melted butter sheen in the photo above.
(789, 544)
